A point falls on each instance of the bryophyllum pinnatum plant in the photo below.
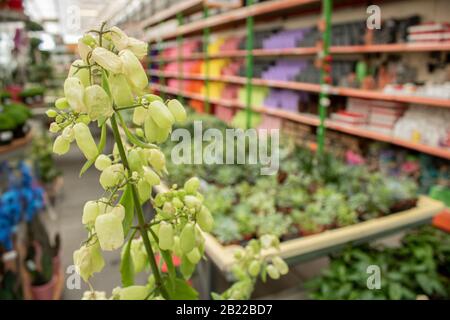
(108, 79)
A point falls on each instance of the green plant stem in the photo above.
(140, 213)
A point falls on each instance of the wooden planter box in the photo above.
(304, 248)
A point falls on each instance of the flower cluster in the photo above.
(250, 264)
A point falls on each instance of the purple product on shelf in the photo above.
(285, 39)
(284, 70)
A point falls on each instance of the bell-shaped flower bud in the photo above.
(62, 103)
(191, 186)
(281, 265)
(273, 272)
(194, 256)
(205, 219)
(112, 176)
(192, 202)
(140, 114)
(102, 162)
(54, 127)
(131, 293)
(120, 90)
(109, 230)
(177, 110)
(138, 255)
(98, 102)
(91, 211)
(187, 238)
(74, 92)
(85, 141)
(84, 50)
(157, 160)
(138, 47)
(165, 236)
(88, 260)
(133, 69)
(61, 145)
(254, 268)
(68, 133)
(94, 295)
(118, 38)
(161, 114)
(151, 177)
(135, 161)
(107, 60)
(78, 70)
(118, 211)
(144, 190)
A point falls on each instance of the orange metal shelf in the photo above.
(314, 121)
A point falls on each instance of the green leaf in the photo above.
(132, 138)
(424, 283)
(105, 83)
(182, 291)
(395, 291)
(187, 268)
(102, 143)
(127, 202)
(126, 265)
(86, 166)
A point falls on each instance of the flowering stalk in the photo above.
(140, 214)
(106, 80)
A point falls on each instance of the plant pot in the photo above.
(56, 263)
(6, 137)
(45, 291)
(403, 205)
(21, 131)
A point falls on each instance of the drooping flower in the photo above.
(133, 69)
(98, 102)
(107, 59)
(161, 114)
(109, 230)
(74, 92)
(85, 141)
(61, 145)
(120, 90)
(78, 70)
(118, 38)
(88, 260)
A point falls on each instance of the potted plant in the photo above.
(20, 114)
(41, 259)
(226, 229)
(33, 95)
(7, 126)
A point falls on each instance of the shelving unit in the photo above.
(280, 8)
(380, 48)
(231, 17)
(314, 121)
(313, 88)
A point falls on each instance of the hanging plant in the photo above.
(108, 79)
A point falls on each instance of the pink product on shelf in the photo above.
(269, 122)
(349, 118)
(223, 113)
(232, 68)
(230, 92)
(231, 44)
(188, 47)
